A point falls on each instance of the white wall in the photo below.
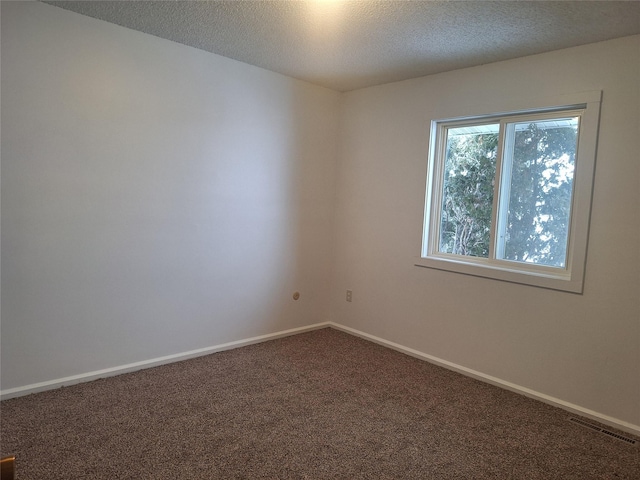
(581, 349)
(156, 198)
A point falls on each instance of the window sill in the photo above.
(507, 272)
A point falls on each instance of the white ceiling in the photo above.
(349, 44)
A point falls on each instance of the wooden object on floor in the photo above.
(8, 468)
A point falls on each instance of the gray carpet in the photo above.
(319, 405)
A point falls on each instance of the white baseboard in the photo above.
(556, 402)
(132, 367)
(110, 372)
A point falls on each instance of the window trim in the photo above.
(570, 278)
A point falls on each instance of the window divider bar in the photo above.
(496, 211)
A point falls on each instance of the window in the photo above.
(509, 195)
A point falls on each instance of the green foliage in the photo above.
(540, 196)
(468, 194)
(539, 193)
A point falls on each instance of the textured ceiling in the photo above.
(351, 44)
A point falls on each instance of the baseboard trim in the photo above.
(556, 402)
(132, 367)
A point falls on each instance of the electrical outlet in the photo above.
(349, 295)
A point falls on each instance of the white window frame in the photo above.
(571, 277)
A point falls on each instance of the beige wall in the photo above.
(581, 349)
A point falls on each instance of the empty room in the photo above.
(320, 239)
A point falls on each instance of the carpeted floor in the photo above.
(319, 405)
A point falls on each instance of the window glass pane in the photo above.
(467, 197)
(540, 158)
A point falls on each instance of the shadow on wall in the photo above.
(156, 198)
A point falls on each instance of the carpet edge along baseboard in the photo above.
(109, 372)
